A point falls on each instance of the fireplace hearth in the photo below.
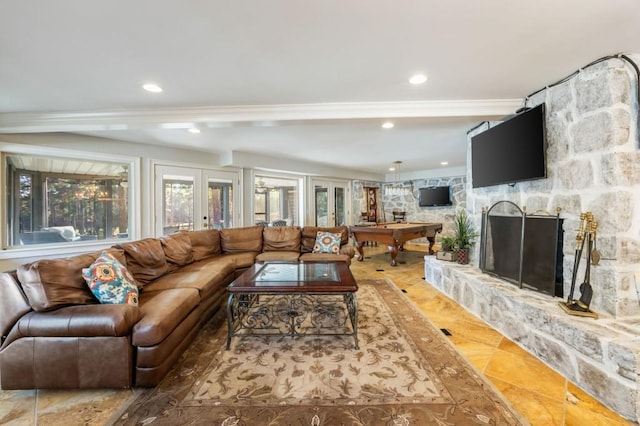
(523, 249)
(600, 356)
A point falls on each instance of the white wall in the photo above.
(148, 153)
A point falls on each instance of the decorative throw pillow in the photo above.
(326, 242)
(110, 281)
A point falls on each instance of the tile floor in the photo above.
(541, 395)
(537, 392)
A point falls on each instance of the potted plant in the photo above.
(464, 236)
(447, 245)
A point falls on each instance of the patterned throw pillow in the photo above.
(326, 242)
(110, 281)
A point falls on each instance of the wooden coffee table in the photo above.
(288, 299)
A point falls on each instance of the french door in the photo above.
(330, 202)
(188, 199)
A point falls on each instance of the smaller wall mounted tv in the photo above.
(432, 196)
(511, 151)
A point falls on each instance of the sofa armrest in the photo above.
(77, 321)
(13, 303)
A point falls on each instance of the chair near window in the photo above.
(262, 222)
(399, 216)
(280, 222)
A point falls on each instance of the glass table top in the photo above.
(288, 272)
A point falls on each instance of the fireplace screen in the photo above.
(523, 249)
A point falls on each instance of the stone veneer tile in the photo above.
(552, 352)
(630, 326)
(579, 174)
(601, 86)
(582, 409)
(621, 168)
(621, 395)
(601, 207)
(625, 355)
(582, 334)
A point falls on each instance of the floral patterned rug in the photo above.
(405, 373)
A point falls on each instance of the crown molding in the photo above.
(73, 121)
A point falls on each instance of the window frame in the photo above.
(68, 248)
(300, 188)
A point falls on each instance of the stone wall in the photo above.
(593, 164)
(388, 202)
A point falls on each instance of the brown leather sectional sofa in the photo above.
(55, 333)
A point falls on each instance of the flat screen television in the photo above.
(511, 151)
(434, 196)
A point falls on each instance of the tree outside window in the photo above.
(57, 200)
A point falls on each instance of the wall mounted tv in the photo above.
(511, 151)
(434, 196)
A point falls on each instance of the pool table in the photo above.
(395, 234)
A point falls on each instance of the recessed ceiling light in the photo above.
(194, 130)
(444, 163)
(387, 125)
(418, 79)
(151, 87)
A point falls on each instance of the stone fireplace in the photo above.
(593, 164)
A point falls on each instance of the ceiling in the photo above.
(307, 81)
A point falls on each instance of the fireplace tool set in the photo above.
(586, 236)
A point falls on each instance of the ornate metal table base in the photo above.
(251, 314)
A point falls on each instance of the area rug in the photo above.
(404, 373)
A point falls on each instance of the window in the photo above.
(178, 204)
(220, 203)
(330, 202)
(65, 200)
(276, 200)
(190, 198)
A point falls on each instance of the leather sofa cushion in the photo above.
(52, 283)
(161, 312)
(309, 234)
(281, 238)
(240, 260)
(80, 321)
(239, 240)
(145, 260)
(177, 249)
(13, 302)
(205, 276)
(116, 252)
(278, 256)
(204, 243)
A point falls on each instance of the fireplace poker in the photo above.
(586, 235)
(586, 292)
(578, 255)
